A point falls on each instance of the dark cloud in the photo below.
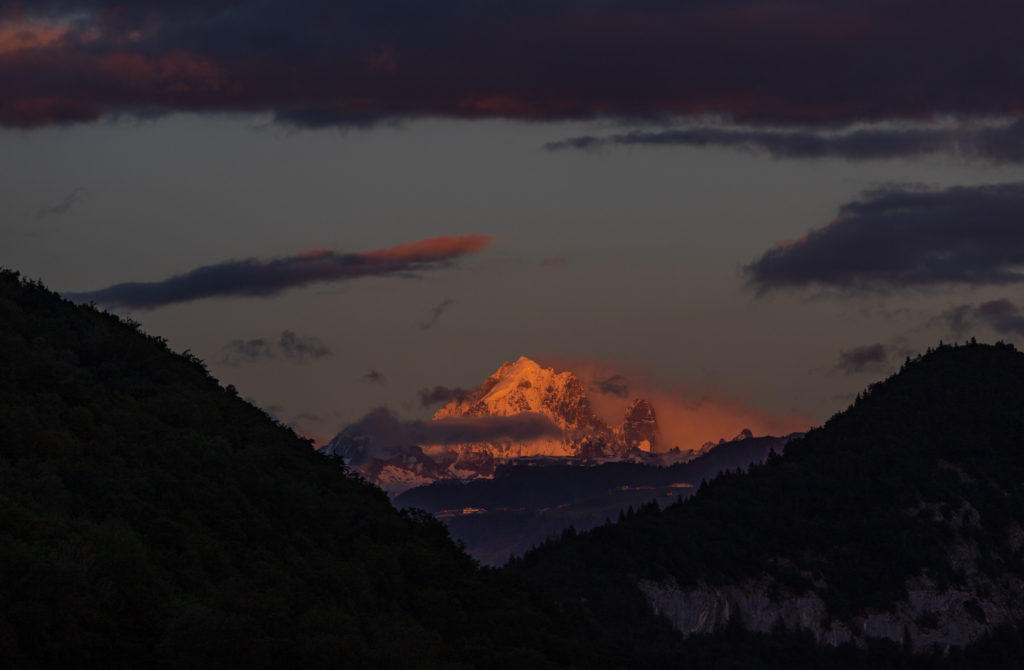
(382, 432)
(300, 348)
(318, 62)
(1002, 315)
(237, 352)
(374, 377)
(999, 144)
(440, 394)
(615, 385)
(69, 201)
(902, 236)
(859, 359)
(436, 313)
(257, 278)
(289, 346)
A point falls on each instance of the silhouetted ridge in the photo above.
(900, 519)
(939, 403)
(150, 518)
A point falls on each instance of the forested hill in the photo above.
(151, 518)
(900, 519)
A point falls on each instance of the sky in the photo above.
(746, 209)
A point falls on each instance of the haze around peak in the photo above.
(687, 417)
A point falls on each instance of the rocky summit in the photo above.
(399, 455)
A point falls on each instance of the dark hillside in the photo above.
(918, 487)
(151, 518)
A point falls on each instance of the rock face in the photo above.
(524, 386)
(640, 428)
(930, 616)
(374, 447)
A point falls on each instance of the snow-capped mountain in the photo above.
(522, 411)
(524, 386)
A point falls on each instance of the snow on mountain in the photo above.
(522, 411)
(524, 386)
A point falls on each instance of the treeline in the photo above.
(876, 496)
(151, 518)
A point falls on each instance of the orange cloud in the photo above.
(432, 249)
(688, 418)
(20, 35)
(177, 72)
(264, 278)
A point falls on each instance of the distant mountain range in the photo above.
(380, 450)
(528, 502)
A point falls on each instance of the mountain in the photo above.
(526, 503)
(150, 517)
(640, 427)
(398, 456)
(899, 522)
(524, 386)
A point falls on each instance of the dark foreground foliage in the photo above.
(151, 518)
(933, 455)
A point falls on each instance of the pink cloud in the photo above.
(253, 277)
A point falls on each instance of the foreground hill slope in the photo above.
(899, 520)
(151, 518)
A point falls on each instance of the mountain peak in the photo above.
(525, 386)
(640, 427)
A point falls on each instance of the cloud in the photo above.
(384, 432)
(259, 278)
(238, 351)
(436, 313)
(373, 377)
(899, 236)
(441, 394)
(69, 201)
(865, 358)
(342, 63)
(289, 346)
(615, 385)
(688, 417)
(1002, 316)
(300, 348)
(999, 144)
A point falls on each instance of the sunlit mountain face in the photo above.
(522, 412)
